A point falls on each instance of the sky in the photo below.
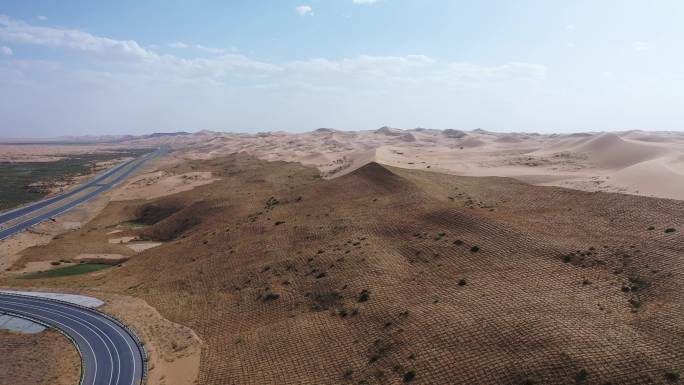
(133, 67)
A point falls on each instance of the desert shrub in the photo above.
(55, 263)
(348, 374)
(278, 223)
(458, 242)
(409, 376)
(475, 249)
(670, 230)
(672, 375)
(364, 296)
(462, 282)
(271, 202)
(582, 376)
(651, 227)
(325, 300)
(567, 258)
(271, 297)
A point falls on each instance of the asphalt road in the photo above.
(110, 354)
(97, 186)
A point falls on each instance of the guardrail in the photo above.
(138, 342)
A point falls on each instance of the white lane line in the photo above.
(93, 329)
(64, 326)
(94, 315)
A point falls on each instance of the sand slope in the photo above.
(467, 280)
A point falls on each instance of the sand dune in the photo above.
(586, 161)
(610, 151)
(658, 177)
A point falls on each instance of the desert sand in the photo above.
(45, 358)
(633, 162)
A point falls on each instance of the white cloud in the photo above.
(570, 27)
(22, 33)
(127, 56)
(41, 17)
(6, 50)
(112, 78)
(210, 49)
(304, 10)
(511, 71)
(178, 44)
(364, 1)
(640, 46)
(200, 47)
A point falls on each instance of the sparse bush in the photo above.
(409, 376)
(670, 230)
(55, 263)
(271, 297)
(458, 242)
(567, 258)
(672, 375)
(278, 223)
(582, 376)
(326, 300)
(348, 374)
(364, 296)
(462, 282)
(475, 249)
(650, 228)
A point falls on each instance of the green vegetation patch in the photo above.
(82, 268)
(18, 179)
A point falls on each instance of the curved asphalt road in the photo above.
(110, 354)
(96, 183)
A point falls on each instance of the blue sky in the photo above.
(84, 67)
